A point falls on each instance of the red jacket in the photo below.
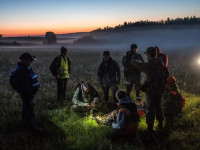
(163, 57)
(130, 126)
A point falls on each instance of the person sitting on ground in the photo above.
(173, 102)
(127, 120)
(85, 95)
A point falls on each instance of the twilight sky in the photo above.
(35, 17)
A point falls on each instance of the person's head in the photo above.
(63, 51)
(151, 52)
(26, 58)
(120, 94)
(171, 80)
(134, 48)
(86, 87)
(106, 56)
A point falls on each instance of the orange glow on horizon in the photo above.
(35, 32)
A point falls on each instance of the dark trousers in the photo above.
(153, 109)
(28, 115)
(27, 112)
(130, 80)
(61, 88)
(114, 89)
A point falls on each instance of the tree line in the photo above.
(178, 21)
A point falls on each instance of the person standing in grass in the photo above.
(25, 82)
(109, 75)
(157, 75)
(132, 74)
(60, 69)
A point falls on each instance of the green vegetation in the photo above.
(62, 129)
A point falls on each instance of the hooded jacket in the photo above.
(127, 121)
(163, 57)
(27, 81)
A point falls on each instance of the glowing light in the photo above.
(199, 61)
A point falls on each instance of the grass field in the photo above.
(62, 129)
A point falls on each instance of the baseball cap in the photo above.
(133, 46)
(27, 55)
(151, 51)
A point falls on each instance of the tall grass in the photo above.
(63, 129)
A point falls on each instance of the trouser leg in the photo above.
(114, 89)
(106, 92)
(129, 86)
(137, 86)
(28, 115)
(64, 85)
(159, 112)
(150, 112)
(59, 89)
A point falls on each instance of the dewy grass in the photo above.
(65, 130)
(81, 132)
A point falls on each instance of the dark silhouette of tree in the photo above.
(178, 21)
(1, 36)
(50, 38)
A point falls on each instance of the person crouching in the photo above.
(126, 124)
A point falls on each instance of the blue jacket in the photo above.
(120, 121)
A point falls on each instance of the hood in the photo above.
(125, 100)
(158, 49)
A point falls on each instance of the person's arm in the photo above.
(76, 99)
(118, 73)
(141, 58)
(100, 74)
(25, 85)
(123, 59)
(143, 67)
(69, 65)
(53, 66)
(166, 60)
(120, 122)
(95, 101)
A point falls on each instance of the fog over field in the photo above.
(167, 38)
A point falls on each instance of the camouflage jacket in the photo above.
(80, 96)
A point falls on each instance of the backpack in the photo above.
(160, 78)
(133, 109)
(126, 62)
(80, 91)
(13, 81)
(35, 84)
